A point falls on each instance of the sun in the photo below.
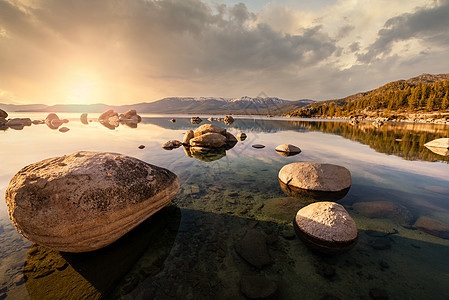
(83, 92)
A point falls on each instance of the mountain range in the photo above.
(179, 105)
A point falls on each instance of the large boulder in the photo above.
(87, 200)
(326, 227)
(18, 123)
(3, 114)
(316, 176)
(209, 128)
(433, 227)
(210, 140)
(384, 210)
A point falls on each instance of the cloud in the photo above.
(428, 25)
(125, 51)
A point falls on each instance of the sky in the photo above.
(130, 51)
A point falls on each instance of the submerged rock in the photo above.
(63, 129)
(257, 287)
(87, 200)
(253, 248)
(384, 210)
(326, 227)
(316, 176)
(433, 227)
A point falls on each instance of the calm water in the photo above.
(188, 250)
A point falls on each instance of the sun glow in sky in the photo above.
(129, 51)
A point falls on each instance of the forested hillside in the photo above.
(425, 93)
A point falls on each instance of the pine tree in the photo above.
(445, 102)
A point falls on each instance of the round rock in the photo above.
(316, 176)
(326, 227)
(210, 140)
(209, 128)
(87, 200)
(287, 150)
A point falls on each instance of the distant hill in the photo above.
(179, 105)
(424, 93)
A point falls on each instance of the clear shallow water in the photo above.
(188, 251)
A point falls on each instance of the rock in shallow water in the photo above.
(316, 176)
(433, 227)
(384, 210)
(326, 227)
(287, 150)
(253, 248)
(87, 200)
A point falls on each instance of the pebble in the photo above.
(288, 234)
(141, 146)
(258, 146)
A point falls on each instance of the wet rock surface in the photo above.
(316, 176)
(433, 227)
(287, 150)
(87, 200)
(252, 247)
(326, 227)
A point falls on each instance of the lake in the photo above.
(188, 249)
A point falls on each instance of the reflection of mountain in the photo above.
(105, 273)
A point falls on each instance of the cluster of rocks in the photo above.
(87, 200)
(208, 142)
(112, 120)
(52, 121)
(323, 226)
(228, 120)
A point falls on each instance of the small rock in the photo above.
(384, 209)
(63, 129)
(253, 248)
(433, 227)
(83, 119)
(3, 114)
(258, 146)
(287, 150)
(228, 120)
(195, 120)
(141, 146)
(173, 120)
(241, 136)
(173, 144)
(288, 234)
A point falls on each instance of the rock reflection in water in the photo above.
(205, 154)
(307, 196)
(110, 272)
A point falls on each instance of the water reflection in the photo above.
(110, 272)
(307, 196)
